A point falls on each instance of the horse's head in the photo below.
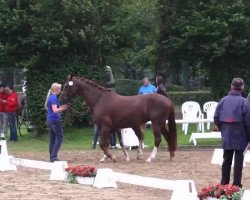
(69, 90)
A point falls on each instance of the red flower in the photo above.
(83, 171)
(220, 191)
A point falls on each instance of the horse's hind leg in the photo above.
(165, 133)
(140, 136)
(157, 135)
(121, 143)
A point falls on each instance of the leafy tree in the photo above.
(163, 65)
(53, 38)
(213, 35)
(137, 24)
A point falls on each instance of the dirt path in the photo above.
(34, 184)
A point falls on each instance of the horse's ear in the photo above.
(70, 82)
(70, 77)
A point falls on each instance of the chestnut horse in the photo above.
(114, 112)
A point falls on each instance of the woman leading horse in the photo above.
(113, 111)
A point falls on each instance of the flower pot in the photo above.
(85, 180)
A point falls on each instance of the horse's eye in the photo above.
(70, 83)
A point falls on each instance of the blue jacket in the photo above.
(232, 118)
(147, 89)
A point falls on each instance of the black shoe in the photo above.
(54, 159)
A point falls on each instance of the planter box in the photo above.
(85, 180)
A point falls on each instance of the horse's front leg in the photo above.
(104, 144)
(118, 131)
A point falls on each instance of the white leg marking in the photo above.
(139, 151)
(152, 155)
(104, 158)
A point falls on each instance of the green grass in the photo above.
(81, 138)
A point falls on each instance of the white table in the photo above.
(208, 135)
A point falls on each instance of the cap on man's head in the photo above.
(237, 84)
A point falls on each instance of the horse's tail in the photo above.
(172, 136)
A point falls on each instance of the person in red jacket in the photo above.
(11, 109)
(3, 115)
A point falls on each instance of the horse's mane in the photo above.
(92, 83)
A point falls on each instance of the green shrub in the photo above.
(130, 87)
(199, 96)
(78, 114)
(18, 88)
(127, 87)
(171, 88)
(38, 84)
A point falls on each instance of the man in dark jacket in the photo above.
(232, 119)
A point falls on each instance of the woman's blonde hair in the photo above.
(52, 89)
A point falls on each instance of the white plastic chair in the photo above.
(209, 108)
(129, 138)
(191, 110)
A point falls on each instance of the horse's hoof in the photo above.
(172, 154)
(104, 158)
(127, 159)
(148, 160)
(171, 158)
(114, 159)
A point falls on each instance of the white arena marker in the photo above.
(247, 156)
(184, 188)
(6, 164)
(246, 195)
(3, 148)
(5, 159)
(217, 158)
(181, 188)
(105, 178)
(33, 163)
(144, 181)
(58, 172)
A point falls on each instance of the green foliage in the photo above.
(78, 114)
(71, 178)
(54, 38)
(127, 87)
(37, 88)
(213, 35)
(178, 94)
(175, 88)
(199, 96)
(137, 26)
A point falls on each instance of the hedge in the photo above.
(129, 87)
(199, 96)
